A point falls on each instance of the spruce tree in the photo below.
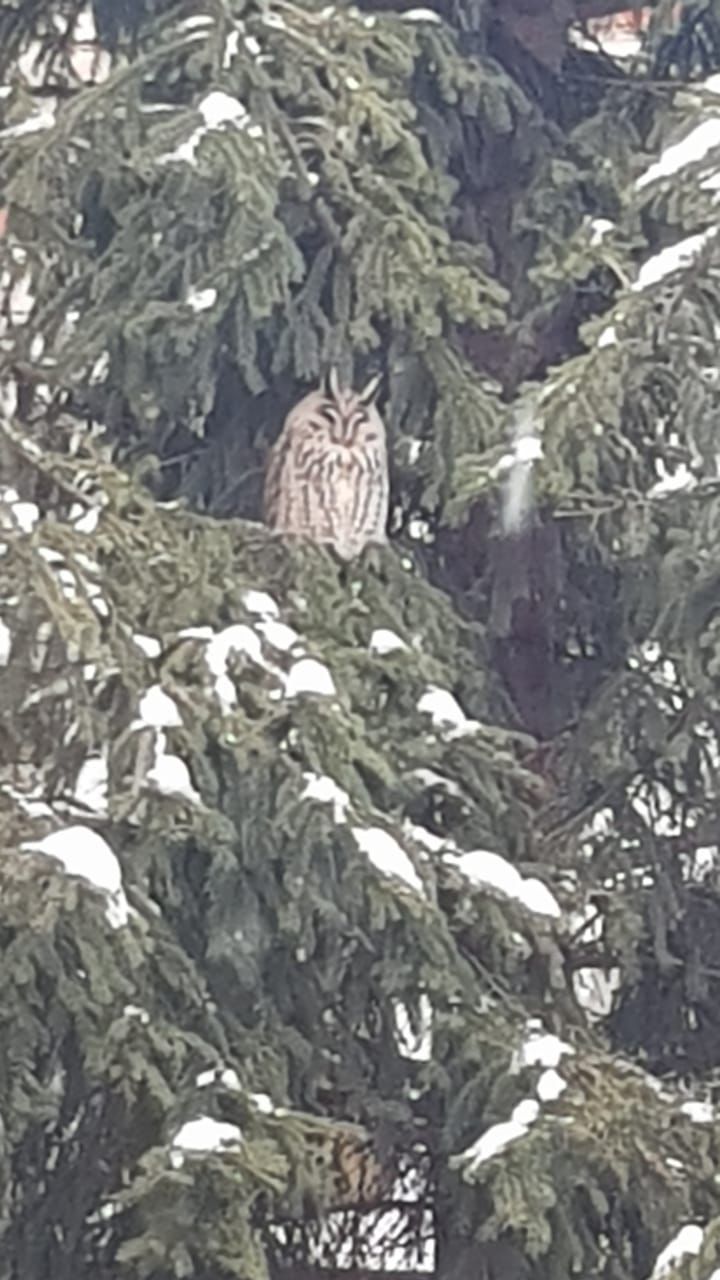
(358, 916)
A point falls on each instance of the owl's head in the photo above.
(348, 417)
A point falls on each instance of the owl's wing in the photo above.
(273, 479)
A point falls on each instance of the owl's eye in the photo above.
(321, 418)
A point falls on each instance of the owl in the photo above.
(327, 477)
(345, 1166)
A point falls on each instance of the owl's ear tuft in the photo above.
(332, 386)
(370, 390)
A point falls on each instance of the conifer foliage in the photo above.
(357, 915)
